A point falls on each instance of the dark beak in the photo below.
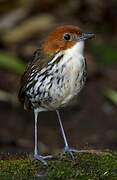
(86, 36)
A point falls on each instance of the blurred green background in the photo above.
(92, 122)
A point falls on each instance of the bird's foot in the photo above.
(42, 158)
(70, 151)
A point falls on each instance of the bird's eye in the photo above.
(67, 36)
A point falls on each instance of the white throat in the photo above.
(77, 48)
(76, 53)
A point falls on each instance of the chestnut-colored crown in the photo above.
(55, 42)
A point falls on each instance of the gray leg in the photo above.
(36, 140)
(67, 149)
(37, 155)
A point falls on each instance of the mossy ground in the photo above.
(87, 166)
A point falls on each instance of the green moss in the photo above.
(86, 166)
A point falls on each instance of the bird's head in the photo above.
(63, 38)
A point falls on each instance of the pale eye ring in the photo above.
(67, 37)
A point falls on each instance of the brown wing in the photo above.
(37, 63)
(26, 78)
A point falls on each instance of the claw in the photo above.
(42, 158)
(70, 151)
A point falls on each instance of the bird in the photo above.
(54, 77)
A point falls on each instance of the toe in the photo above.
(40, 158)
(47, 157)
(74, 150)
(69, 151)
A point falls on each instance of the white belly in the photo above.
(71, 70)
(73, 78)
